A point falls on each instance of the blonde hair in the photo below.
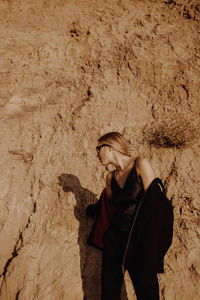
(116, 141)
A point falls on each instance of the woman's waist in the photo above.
(125, 201)
(123, 220)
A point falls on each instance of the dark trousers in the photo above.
(146, 287)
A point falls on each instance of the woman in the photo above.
(124, 239)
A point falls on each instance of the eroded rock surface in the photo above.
(69, 72)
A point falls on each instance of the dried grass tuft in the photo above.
(179, 134)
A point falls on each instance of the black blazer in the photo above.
(152, 230)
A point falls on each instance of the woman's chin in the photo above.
(103, 162)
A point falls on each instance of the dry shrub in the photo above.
(180, 134)
(190, 9)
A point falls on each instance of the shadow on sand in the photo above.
(90, 258)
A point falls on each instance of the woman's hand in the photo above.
(88, 201)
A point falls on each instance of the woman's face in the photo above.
(104, 154)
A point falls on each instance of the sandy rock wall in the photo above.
(69, 72)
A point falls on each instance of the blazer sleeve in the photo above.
(166, 230)
(163, 229)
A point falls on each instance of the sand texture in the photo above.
(70, 71)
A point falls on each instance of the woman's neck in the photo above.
(123, 163)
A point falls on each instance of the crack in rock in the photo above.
(17, 247)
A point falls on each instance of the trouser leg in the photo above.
(146, 287)
(111, 275)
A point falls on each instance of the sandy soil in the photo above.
(71, 70)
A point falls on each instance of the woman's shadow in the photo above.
(90, 258)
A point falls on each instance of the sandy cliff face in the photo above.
(71, 71)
